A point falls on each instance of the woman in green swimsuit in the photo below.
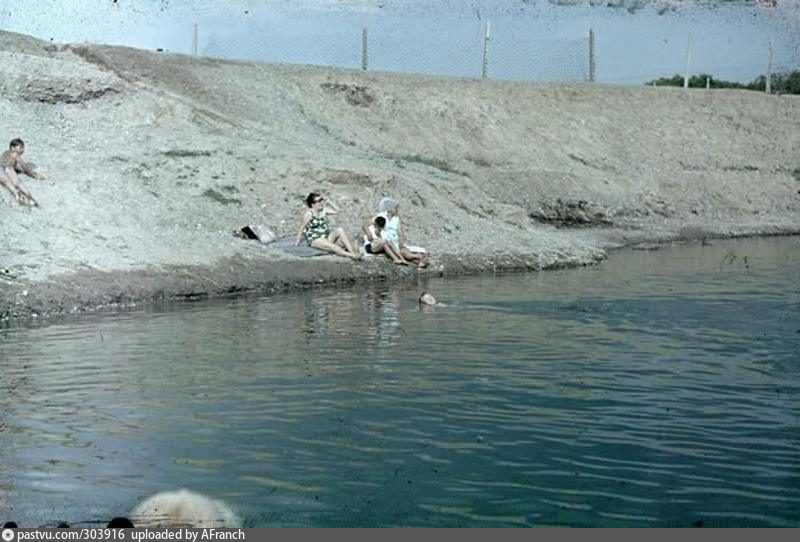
(317, 231)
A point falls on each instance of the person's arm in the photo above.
(331, 207)
(27, 170)
(303, 222)
(401, 233)
(367, 230)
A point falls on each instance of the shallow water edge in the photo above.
(92, 290)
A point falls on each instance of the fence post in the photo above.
(487, 37)
(592, 65)
(768, 87)
(364, 55)
(194, 38)
(688, 62)
(708, 83)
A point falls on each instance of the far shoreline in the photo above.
(77, 294)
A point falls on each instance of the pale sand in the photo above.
(153, 159)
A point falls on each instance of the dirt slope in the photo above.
(153, 159)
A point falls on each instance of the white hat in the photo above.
(386, 204)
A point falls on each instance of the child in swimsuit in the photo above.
(11, 163)
(377, 242)
(394, 233)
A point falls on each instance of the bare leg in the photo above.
(420, 259)
(338, 234)
(327, 246)
(5, 181)
(394, 254)
(9, 179)
(388, 249)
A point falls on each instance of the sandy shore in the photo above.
(152, 160)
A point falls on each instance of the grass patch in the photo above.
(432, 162)
(479, 161)
(185, 153)
(353, 94)
(219, 198)
(740, 168)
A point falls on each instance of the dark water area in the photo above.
(658, 389)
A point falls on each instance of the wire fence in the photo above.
(506, 50)
(540, 46)
(471, 49)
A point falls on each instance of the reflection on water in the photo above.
(657, 389)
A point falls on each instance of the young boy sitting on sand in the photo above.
(11, 163)
(393, 233)
(376, 243)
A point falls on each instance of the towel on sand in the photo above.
(286, 244)
(267, 236)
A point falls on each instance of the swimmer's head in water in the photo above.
(427, 299)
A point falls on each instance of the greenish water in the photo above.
(657, 389)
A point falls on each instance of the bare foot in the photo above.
(400, 262)
(26, 200)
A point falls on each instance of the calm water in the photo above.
(657, 389)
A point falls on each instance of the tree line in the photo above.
(782, 83)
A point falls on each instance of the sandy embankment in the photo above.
(153, 159)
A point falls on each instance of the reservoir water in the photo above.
(659, 389)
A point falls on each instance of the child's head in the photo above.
(380, 223)
(16, 143)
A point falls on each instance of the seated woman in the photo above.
(316, 229)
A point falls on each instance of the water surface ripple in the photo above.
(657, 389)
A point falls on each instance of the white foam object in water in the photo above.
(183, 508)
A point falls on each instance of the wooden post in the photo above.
(688, 62)
(768, 81)
(592, 65)
(708, 83)
(487, 37)
(194, 38)
(364, 55)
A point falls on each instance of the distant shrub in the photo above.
(783, 83)
(210, 193)
(437, 163)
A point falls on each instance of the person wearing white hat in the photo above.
(387, 203)
(394, 232)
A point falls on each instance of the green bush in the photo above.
(783, 83)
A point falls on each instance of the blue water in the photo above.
(660, 388)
